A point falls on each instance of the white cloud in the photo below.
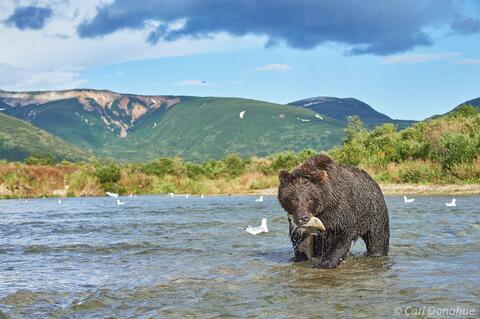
(18, 79)
(416, 58)
(467, 61)
(275, 67)
(43, 54)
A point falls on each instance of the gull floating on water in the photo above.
(242, 114)
(119, 203)
(257, 230)
(202, 196)
(260, 199)
(187, 195)
(131, 195)
(172, 195)
(407, 200)
(112, 194)
(452, 203)
(60, 201)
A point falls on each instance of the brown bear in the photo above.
(329, 205)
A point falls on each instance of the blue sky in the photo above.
(408, 59)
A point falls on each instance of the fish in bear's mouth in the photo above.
(302, 235)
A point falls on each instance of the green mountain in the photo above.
(19, 140)
(474, 102)
(342, 108)
(204, 128)
(137, 127)
(87, 118)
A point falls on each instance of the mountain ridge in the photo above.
(143, 127)
(342, 108)
(20, 139)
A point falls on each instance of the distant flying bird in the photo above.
(119, 203)
(112, 194)
(242, 114)
(257, 230)
(452, 203)
(260, 199)
(407, 200)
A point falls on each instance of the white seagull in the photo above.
(119, 203)
(59, 201)
(172, 195)
(202, 196)
(260, 199)
(257, 230)
(452, 203)
(407, 200)
(242, 114)
(112, 194)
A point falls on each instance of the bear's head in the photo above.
(300, 192)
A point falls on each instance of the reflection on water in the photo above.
(161, 257)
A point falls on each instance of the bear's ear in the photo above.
(320, 176)
(321, 161)
(284, 176)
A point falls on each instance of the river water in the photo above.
(161, 257)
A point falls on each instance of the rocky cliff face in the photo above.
(118, 111)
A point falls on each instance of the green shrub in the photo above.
(456, 149)
(108, 173)
(234, 165)
(40, 159)
(160, 167)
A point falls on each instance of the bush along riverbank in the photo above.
(441, 151)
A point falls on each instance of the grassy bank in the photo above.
(426, 157)
(231, 175)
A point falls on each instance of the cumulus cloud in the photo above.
(31, 17)
(275, 67)
(419, 58)
(369, 26)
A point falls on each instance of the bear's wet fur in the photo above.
(349, 203)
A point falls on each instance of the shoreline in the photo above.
(409, 189)
(387, 189)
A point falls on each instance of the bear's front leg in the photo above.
(338, 249)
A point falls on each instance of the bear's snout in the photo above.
(303, 218)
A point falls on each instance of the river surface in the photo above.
(161, 257)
